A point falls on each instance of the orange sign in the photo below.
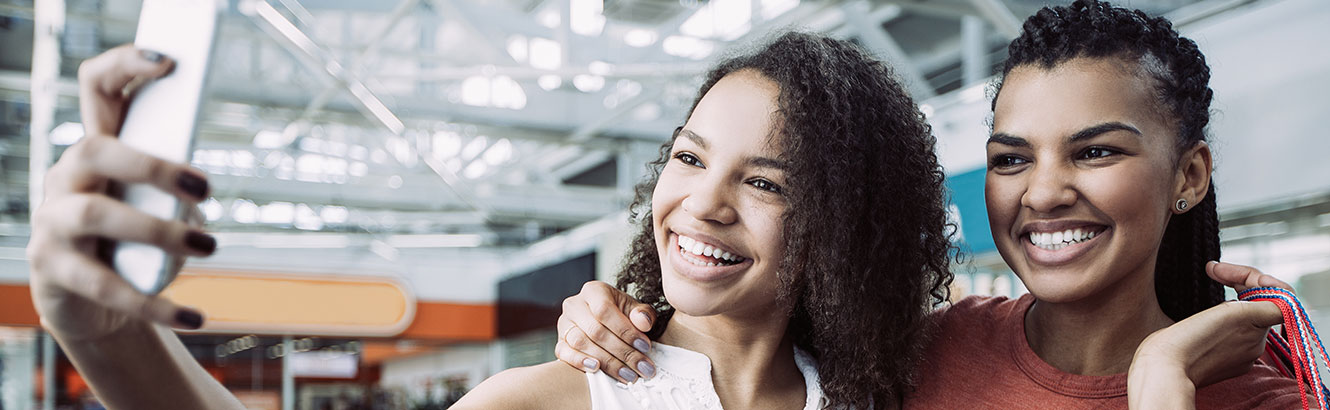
(269, 303)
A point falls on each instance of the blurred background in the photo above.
(405, 190)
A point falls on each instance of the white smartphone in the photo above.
(162, 120)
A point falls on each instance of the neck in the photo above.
(1098, 335)
(751, 359)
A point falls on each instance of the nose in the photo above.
(710, 200)
(1049, 187)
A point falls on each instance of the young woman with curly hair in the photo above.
(774, 230)
(767, 232)
(1099, 198)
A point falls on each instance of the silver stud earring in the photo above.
(1181, 205)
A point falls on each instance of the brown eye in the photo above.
(765, 185)
(1097, 152)
(689, 159)
(1003, 161)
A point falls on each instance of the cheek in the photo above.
(1135, 197)
(1002, 197)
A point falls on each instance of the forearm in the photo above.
(146, 367)
(1159, 387)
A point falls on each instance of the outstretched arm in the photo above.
(115, 335)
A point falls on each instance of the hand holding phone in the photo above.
(161, 121)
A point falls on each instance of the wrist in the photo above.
(1159, 383)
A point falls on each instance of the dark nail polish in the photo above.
(189, 319)
(150, 55)
(192, 185)
(201, 242)
(642, 346)
(646, 369)
(627, 375)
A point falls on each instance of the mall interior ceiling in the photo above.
(474, 122)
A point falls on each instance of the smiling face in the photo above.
(1082, 177)
(717, 206)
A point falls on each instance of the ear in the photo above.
(1193, 175)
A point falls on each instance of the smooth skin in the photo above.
(1081, 144)
(117, 337)
(722, 182)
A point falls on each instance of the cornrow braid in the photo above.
(1096, 29)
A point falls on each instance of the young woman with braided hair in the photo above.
(1100, 199)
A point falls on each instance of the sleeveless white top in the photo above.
(683, 382)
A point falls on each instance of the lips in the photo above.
(690, 258)
(705, 254)
(1060, 242)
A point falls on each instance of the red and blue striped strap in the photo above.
(1297, 346)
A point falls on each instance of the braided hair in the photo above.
(1095, 29)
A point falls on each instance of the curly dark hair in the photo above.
(867, 239)
(1180, 76)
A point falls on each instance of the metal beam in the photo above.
(877, 40)
(999, 16)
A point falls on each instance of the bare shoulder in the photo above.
(551, 385)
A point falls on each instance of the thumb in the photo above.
(643, 317)
(1260, 314)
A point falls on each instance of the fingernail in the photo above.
(590, 364)
(189, 319)
(646, 368)
(627, 375)
(150, 55)
(201, 242)
(642, 315)
(641, 345)
(192, 184)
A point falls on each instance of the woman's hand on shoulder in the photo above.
(548, 385)
(1216, 344)
(596, 333)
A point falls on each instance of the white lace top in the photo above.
(683, 382)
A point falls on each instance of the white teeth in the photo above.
(696, 247)
(1061, 239)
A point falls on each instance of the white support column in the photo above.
(48, 371)
(974, 51)
(288, 377)
(49, 26)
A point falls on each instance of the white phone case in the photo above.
(162, 120)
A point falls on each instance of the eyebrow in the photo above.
(761, 162)
(692, 136)
(1084, 134)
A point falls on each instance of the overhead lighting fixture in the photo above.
(545, 54)
(517, 48)
(723, 19)
(549, 82)
(435, 241)
(277, 213)
(588, 83)
(600, 68)
(333, 214)
(585, 16)
(774, 8)
(687, 47)
(639, 37)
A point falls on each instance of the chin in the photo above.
(690, 299)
